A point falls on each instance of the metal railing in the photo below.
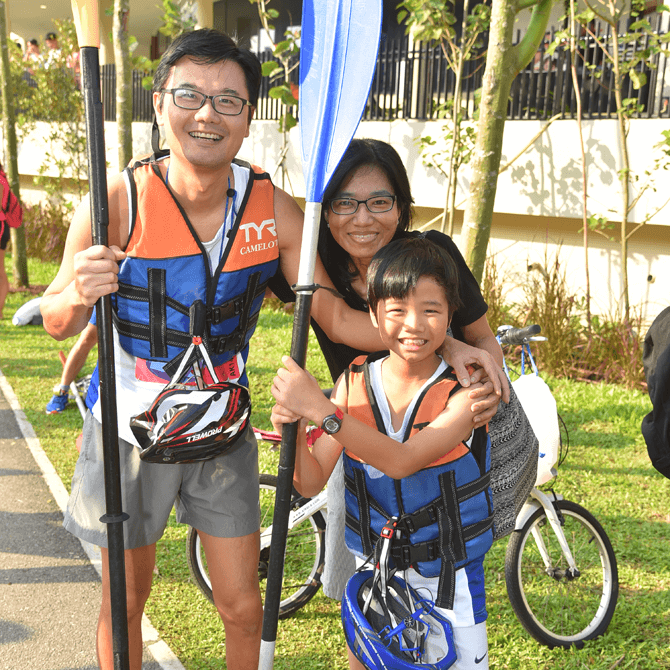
(413, 81)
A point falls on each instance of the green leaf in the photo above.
(282, 46)
(273, 13)
(639, 79)
(269, 67)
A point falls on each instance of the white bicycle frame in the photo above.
(537, 500)
(296, 516)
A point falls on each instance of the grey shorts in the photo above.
(218, 497)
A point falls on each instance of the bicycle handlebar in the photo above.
(510, 335)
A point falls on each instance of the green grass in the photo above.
(607, 471)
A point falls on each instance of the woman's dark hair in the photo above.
(396, 269)
(372, 153)
(208, 46)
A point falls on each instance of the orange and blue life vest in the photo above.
(444, 512)
(167, 272)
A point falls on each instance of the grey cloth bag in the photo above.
(340, 563)
(514, 455)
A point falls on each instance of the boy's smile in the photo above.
(414, 327)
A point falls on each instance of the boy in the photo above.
(410, 450)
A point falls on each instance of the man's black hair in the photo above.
(208, 46)
(396, 269)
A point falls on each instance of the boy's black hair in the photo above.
(396, 269)
(209, 46)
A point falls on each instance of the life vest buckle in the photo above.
(389, 529)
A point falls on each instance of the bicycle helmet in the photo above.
(186, 424)
(398, 631)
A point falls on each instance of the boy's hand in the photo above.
(459, 355)
(296, 390)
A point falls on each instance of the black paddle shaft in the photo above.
(284, 489)
(97, 179)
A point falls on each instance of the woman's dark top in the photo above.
(339, 356)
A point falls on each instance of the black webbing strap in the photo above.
(363, 511)
(157, 288)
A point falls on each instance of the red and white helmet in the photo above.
(186, 424)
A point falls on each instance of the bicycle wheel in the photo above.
(304, 559)
(557, 608)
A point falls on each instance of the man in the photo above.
(165, 228)
(53, 49)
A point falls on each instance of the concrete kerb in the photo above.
(160, 651)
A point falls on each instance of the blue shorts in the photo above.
(218, 496)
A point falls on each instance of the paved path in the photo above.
(49, 584)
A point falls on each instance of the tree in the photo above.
(20, 262)
(286, 52)
(628, 54)
(503, 63)
(124, 90)
(434, 20)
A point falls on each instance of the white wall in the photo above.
(537, 205)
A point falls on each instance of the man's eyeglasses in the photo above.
(377, 204)
(188, 98)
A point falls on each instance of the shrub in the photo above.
(611, 351)
(46, 229)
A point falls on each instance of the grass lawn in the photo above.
(607, 471)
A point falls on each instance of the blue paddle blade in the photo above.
(338, 55)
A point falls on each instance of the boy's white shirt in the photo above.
(383, 403)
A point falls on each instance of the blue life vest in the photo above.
(167, 271)
(444, 512)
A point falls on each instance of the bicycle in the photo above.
(305, 544)
(563, 585)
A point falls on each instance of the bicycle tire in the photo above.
(556, 609)
(304, 558)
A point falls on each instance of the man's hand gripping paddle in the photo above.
(338, 52)
(88, 34)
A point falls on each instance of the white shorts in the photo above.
(469, 630)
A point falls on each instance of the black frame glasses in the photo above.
(204, 97)
(360, 202)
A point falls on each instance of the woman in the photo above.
(368, 203)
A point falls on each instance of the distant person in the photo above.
(32, 57)
(4, 241)
(72, 367)
(53, 53)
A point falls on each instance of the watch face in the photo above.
(331, 424)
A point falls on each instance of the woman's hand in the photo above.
(486, 400)
(459, 355)
(298, 391)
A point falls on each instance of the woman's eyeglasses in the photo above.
(378, 204)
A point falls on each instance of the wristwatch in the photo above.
(333, 422)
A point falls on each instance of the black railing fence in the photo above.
(414, 81)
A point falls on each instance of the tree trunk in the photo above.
(503, 62)
(20, 263)
(624, 174)
(124, 92)
(578, 100)
(498, 77)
